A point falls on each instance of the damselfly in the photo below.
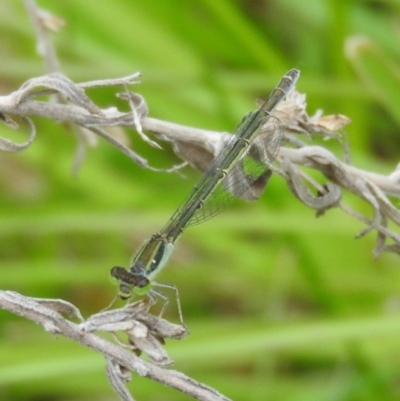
(241, 163)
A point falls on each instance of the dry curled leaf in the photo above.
(146, 333)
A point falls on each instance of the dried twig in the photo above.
(145, 332)
(199, 147)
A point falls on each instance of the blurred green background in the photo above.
(280, 305)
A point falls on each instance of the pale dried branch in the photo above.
(199, 147)
(146, 333)
(371, 187)
(82, 111)
(44, 22)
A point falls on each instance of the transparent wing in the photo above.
(249, 171)
(244, 179)
(240, 169)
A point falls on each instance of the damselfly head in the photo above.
(124, 279)
(128, 281)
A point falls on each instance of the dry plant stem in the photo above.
(341, 173)
(371, 187)
(115, 377)
(82, 112)
(44, 44)
(176, 132)
(55, 323)
(199, 147)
